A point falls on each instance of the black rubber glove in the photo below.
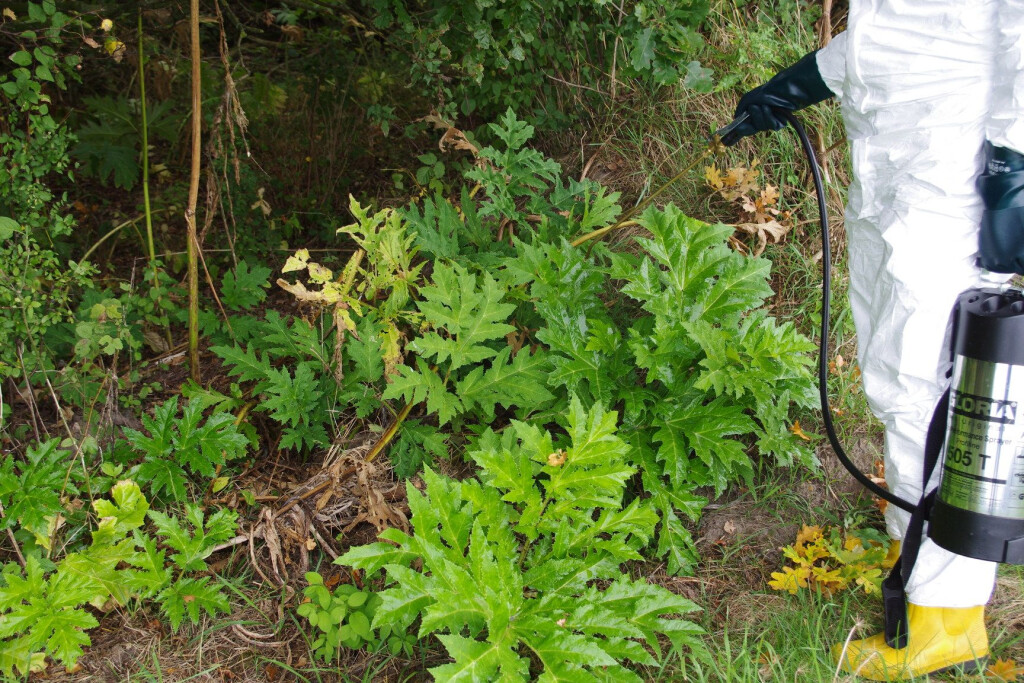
(794, 88)
(1001, 240)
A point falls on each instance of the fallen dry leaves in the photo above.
(760, 216)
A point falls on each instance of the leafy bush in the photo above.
(110, 136)
(529, 559)
(474, 56)
(703, 377)
(36, 281)
(32, 490)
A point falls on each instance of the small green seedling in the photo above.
(344, 617)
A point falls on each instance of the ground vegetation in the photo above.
(340, 343)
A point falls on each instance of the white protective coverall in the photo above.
(922, 83)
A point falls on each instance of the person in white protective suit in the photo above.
(932, 93)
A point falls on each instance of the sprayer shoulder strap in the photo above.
(894, 588)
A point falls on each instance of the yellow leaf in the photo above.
(331, 293)
(829, 579)
(106, 25)
(789, 579)
(713, 176)
(343, 321)
(296, 262)
(391, 352)
(808, 534)
(114, 48)
(892, 555)
(9, 13)
(871, 581)
(219, 483)
(798, 432)
(319, 274)
(299, 291)
(1004, 670)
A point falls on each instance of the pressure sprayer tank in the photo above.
(979, 508)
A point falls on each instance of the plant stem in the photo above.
(387, 436)
(193, 197)
(145, 156)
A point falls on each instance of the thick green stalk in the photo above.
(145, 153)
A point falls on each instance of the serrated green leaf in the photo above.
(519, 382)
(245, 286)
(468, 310)
(191, 597)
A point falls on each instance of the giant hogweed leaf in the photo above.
(480, 661)
(471, 569)
(202, 447)
(280, 338)
(767, 370)
(362, 353)
(120, 516)
(32, 497)
(424, 384)
(675, 543)
(437, 228)
(296, 402)
(516, 382)
(245, 286)
(696, 275)
(191, 597)
(506, 466)
(175, 443)
(39, 612)
(702, 429)
(193, 547)
(594, 471)
(246, 364)
(565, 288)
(164, 476)
(590, 373)
(468, 310)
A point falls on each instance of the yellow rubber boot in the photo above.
(939, 638)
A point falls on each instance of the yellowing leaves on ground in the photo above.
(831, 560)
(1004, 670)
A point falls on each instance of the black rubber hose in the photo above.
(826, 288)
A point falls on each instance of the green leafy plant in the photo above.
(186, 595)
(44, 607)
(467, 316)
(176, 446)
(37, 282)
(526, 561)
(33, 490)
(111, 134)
(343, 617)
